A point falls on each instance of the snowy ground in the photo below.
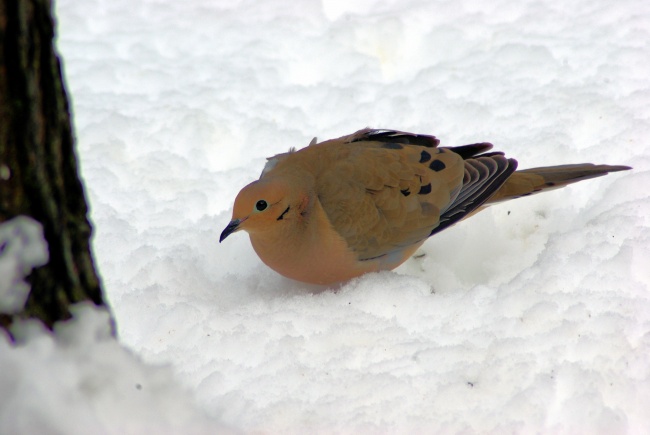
(533, 316)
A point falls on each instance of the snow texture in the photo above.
(22, 248)
(81, 381)
(533, 316)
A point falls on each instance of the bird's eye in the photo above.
(261, 205)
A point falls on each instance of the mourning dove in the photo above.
(365, 202)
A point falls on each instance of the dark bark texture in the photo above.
(39, 176)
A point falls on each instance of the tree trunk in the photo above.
(38, 168)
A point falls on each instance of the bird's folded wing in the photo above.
(384, 196)
(484, 175)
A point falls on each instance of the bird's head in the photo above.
(260, 205)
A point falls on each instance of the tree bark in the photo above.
(39, 175)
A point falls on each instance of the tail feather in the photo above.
(535, 180)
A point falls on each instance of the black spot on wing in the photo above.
(437, 165)
(424, 157)
(425, 189)
(405, 192)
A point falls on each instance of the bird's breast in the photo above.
(310, 251)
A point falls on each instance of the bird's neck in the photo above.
(305, 248)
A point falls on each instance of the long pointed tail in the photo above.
(535, 180)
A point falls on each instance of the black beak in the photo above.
(231, 228)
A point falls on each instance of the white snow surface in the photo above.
(22, 248)
(533, 316)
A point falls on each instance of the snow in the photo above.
(79, 380)
(22, 248)
(533, 316)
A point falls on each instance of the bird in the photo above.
(365, 202)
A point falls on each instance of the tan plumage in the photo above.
(365, 202)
